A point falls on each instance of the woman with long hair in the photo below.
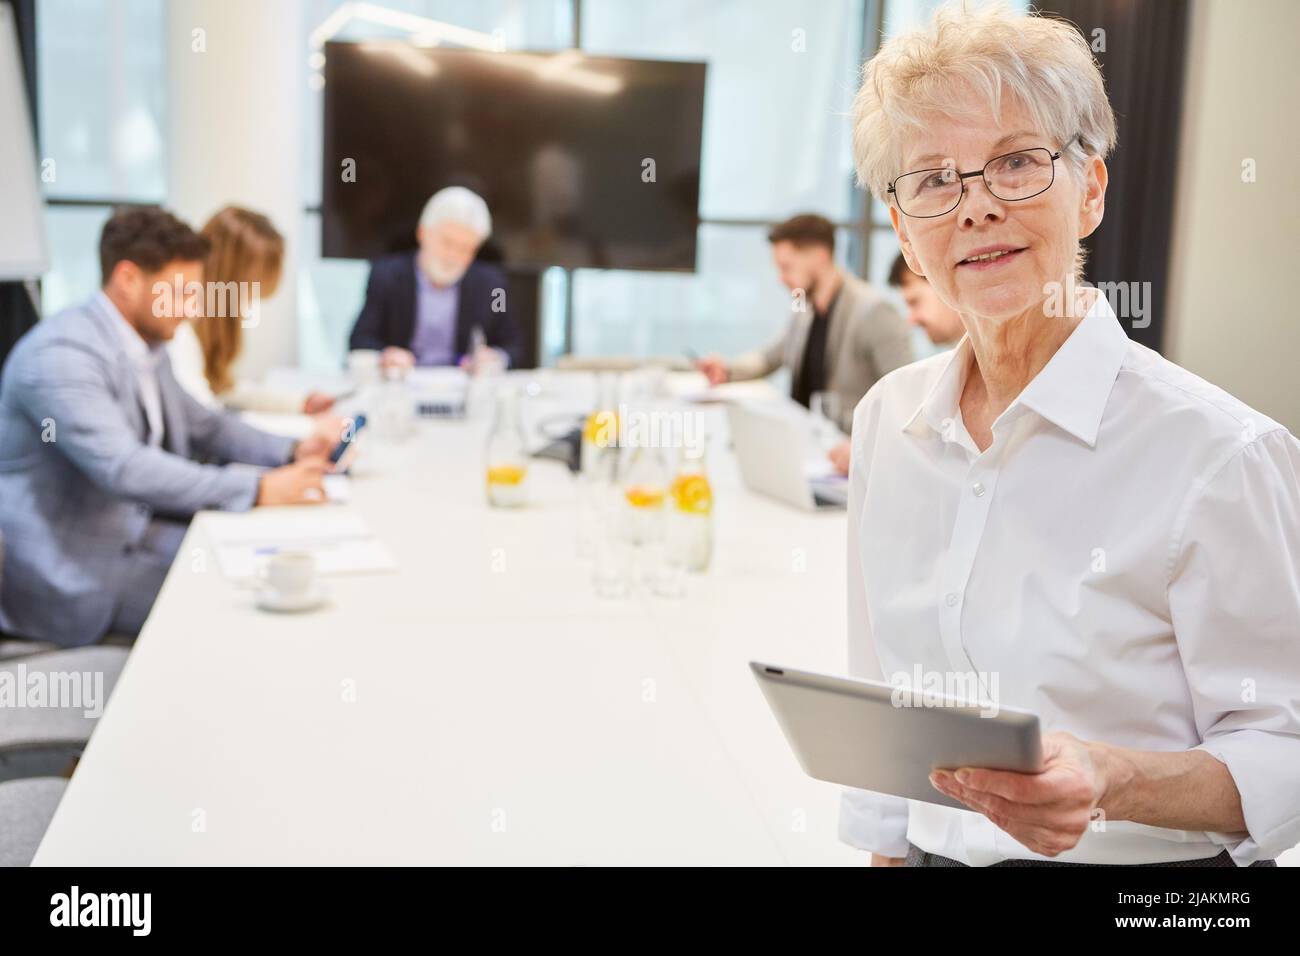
(243, 267)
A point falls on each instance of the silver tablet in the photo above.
(869, 735)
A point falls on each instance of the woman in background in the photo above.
(245, 249)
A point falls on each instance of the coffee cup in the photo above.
(290, 575)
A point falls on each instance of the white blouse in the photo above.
(1124, 560)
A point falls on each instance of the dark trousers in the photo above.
(918, 857)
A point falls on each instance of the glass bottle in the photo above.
(396, 418)
(690, 519)
(612, 571)
(507, 454)
(645, 486)
(600, 430)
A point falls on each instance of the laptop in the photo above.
(778, 458)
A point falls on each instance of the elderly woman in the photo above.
(1094, 533)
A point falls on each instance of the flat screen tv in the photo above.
(584, 161)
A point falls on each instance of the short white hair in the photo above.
(457, 204)
(1043, 63)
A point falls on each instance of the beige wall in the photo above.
(1234, 316)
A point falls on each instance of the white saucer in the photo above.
(270, 600)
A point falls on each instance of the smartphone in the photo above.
(358, 423)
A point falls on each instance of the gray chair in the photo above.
(26, 809)
(12, 648)
(44, 740)
(38, 741)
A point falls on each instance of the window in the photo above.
(732, 303)
(102, 109)
(776, 142)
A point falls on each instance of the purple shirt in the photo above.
(434, 341)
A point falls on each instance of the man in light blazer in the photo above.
(842, 335)
(104, 458)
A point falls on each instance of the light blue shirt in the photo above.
(434, 340)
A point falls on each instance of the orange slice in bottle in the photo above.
(506, 474)
(642, 497)
(601, 429)
(692, 494)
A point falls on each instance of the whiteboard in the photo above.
(23, 250)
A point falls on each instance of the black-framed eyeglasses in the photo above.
(1024, 174)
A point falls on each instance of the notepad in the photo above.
(339, 538)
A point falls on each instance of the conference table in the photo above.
(481, 704)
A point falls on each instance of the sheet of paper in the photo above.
(338, 489)
(339, 538)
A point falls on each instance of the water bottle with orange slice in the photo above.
(600, 429)
(507, 454)
(691, 520)
(645, 488)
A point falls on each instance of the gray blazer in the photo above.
(88, 508)
(865, 339)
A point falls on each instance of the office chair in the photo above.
(41, 740)
(26, 809)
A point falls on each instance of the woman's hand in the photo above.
(1048, 812)
(317, 402)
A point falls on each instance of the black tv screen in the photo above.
(584, 161)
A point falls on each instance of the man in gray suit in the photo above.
(842, 335)
(104, 458)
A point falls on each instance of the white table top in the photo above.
(481, 705)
